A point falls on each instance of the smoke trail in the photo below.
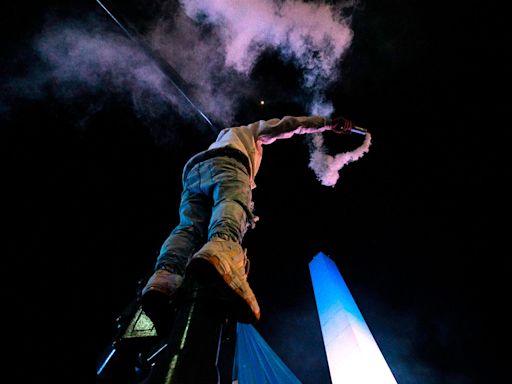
(199, 56)
(326, 167)
(81, 60)
(213, 45)
(313, 35)
(86, 66)
(321, 107)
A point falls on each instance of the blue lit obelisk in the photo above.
(352, 353)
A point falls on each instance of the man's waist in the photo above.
(216, 152)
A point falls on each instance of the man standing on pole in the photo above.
(216, 211)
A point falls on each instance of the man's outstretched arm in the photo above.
(269, 131)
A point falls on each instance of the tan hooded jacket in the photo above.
(248, 139)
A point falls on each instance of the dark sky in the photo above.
(91, 188)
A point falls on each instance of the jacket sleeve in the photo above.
(269, 131)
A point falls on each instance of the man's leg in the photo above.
(228, 224)
(188, 235)
(183, 241)
(232, 197)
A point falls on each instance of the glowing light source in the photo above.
(352, 353)
(262, 102)
(100, 369)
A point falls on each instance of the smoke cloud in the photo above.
(327, 167)
(85, 65)
(214, 45)
(82, 61)
(198, 55)
(313, 35)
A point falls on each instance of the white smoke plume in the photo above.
(321, 107)
(199, 58)
(80, 57)
(327, 167)
(82, 62)
(313, 35)
(212, 44)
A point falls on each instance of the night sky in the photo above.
(91, 185)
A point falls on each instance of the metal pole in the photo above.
(191, 351)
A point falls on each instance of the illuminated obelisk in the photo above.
(352, 353)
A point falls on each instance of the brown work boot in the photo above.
(156, 298)
(230, 261)
(164, 282)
